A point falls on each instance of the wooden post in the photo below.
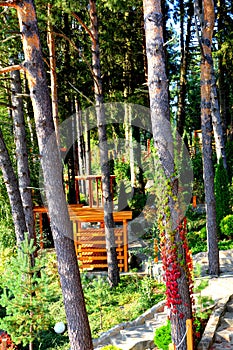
(194, 201)
(97, 191)
(156, 249)
(77, 190)
(125, 243)
(4, 343)
(90, 194)
(189, 334)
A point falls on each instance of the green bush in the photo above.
(226, 226)
(225, 244)
(203, 233)
(122, 170)
(25, 295)
(162, 337)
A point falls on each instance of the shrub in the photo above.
(25, 295)
(226, 226)
(222, 193)
(203, 233)
(122, 170)
(162, 337)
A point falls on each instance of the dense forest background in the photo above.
(86, 65)
(66, 45)
(123, 65)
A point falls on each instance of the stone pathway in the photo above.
(139, 334)
(218, 333)
(224, 334)
(135, 335)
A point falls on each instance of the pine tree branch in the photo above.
(10, 68)
(87, 98)
(77, 49)
(83, 25)
(11, 37)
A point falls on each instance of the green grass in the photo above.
(108, 307)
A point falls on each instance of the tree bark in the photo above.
(217, 122)
(206, 126)
(21, 151)
(53, 74)
(207, 18)
(80, 146)
(224, 97)
(78, 326)
(113, 272)
(129, 144)
(184, 65)
(13, 192)
(80, 138)
(159, 106)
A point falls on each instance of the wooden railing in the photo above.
(93, 185)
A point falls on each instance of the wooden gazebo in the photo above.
(89, 235)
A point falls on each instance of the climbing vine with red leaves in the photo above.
(172, 264)
(6, 342)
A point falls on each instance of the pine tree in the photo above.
(26, 296)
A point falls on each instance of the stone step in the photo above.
(134, 338)
(221, 346)
(230, 307)
(221, 336)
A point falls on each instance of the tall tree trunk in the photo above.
(207, 15)
(113, 272)
(28, 112)
(87, 133)
(129, 147)
(78, 326)
(184, 64)
(69, 106)
(13, 192)
(21, 151)
(222, 69)
(206, 126)
(138, 155)
(217, 122)
(129, 141)
(80, 145)
(80, 139)
(159, 106)
(53, 74)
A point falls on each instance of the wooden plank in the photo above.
(88, 214)
(98, 250)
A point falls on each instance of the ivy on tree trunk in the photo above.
(172, 234)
